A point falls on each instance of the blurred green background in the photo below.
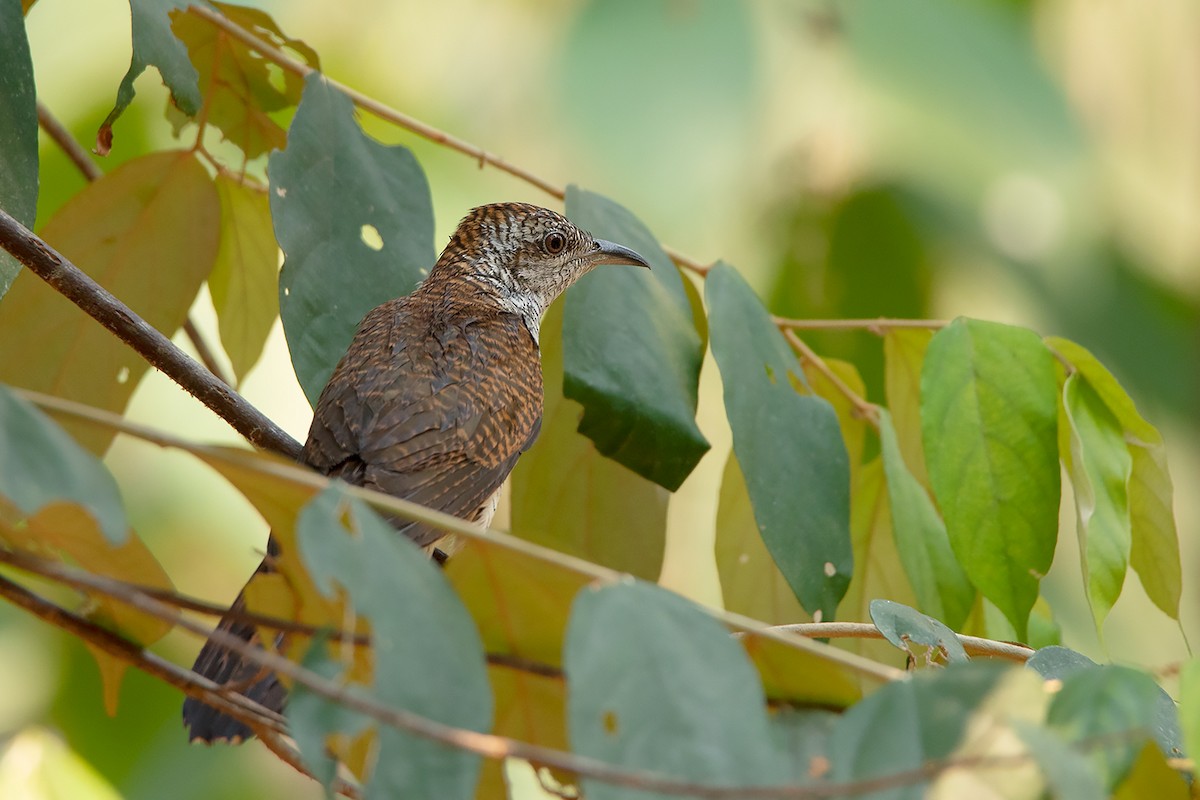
(1029, 162)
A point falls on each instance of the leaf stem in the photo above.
(974, 645)
(406, 121)
(861, 407)
(878, 326)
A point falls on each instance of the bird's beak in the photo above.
(613, 253)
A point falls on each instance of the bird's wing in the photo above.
(436, 413)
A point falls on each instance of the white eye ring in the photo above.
(554, 243)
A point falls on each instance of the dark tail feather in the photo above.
(223, 666)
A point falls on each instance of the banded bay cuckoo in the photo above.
(434, 401)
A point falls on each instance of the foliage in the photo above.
(935, 512)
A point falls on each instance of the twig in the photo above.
(80, 158)
(862, 407)
(406, 509)
(157, 349)
(878, 326)
(484, 744)
(191, 684)
(402, 120)
(66, 142)
(204, 351)
(974, 645)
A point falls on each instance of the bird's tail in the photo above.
(223, 666)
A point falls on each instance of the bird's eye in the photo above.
(554, 243)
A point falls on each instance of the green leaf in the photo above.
(1068, 773)
(242, 87)
(1116, 708)
(944, 590)
(751, 584)
(900, 625)
(908, 723)
(428, 657)
(148, 232)
(567, 496)
(789, 447)
(631, 352)
(155, 45)
(989, 415)
(243, 279)
(1099, 465)
(1154, 552)
(40, 464)
(312, 718)
(335, 193)
(904, 353)
(655, 683)
(18, 130)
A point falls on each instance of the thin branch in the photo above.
(66, 142)
(188, 682)
(405, 121)
(483, 744)
(157, 349)
(406, 509)
(80, 158)
(204, 351)
(861, 407)
(878, 326)
(974, 645)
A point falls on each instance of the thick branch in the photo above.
(152, 345)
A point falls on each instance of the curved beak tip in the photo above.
(613, 253)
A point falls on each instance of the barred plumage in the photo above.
(437, 396)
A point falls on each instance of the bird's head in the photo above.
(525, 256)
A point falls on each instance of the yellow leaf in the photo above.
(148, 233)
(67, 531)
(751, 584)
(244, 281)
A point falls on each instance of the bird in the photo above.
(437, 396)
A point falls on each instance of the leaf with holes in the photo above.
(355, 221)
(1154, 548)
(242, 88)
(147, 232)
(789, 446)
(243, 280)
(631, 353)
(567, 496)
(654, 683)
(989, 418)
(18, 131)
